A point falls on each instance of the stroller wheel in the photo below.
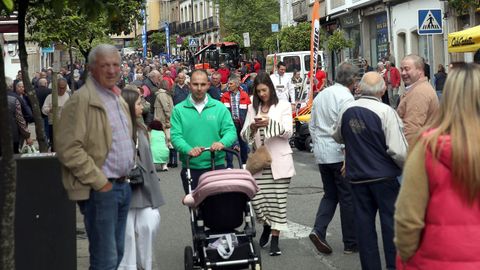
(257, 265)
(188, 256)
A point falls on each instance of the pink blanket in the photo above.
(221, 181)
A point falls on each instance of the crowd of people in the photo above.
(148, 114)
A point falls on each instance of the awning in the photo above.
(467, 40)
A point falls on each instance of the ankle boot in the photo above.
(265, 237)
(274, 249)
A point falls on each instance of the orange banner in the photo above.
(314, 46)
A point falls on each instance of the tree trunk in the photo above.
(7, 180)
(37, 115)
(72, 68)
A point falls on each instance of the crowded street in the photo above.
(298, 252)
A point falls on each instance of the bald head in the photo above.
(43, 82)
(372, 84)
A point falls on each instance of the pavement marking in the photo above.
(296, 231)
(301, 164)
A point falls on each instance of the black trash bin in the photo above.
(45, 220)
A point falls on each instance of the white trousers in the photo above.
(141, 231)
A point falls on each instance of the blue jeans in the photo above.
(370, 198)
(105, 217)
(337, 190)
(243, 154)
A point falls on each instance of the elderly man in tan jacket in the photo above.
(419, 102)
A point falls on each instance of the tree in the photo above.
(463, 6)
(255, 17)
(7, 169)
(157, 42)
(233, 38)
(92, 23)
(295, 38)
(337, 42)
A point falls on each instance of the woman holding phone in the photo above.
(269, 122)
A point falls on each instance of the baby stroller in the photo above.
(218, 207)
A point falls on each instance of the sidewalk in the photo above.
(82, 244)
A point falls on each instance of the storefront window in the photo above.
(381, 28)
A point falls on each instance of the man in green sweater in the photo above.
(199, 122)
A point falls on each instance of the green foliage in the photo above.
(337, 41)
(71, 29)
(463, 6)
(158, 39)
(270, 43)
(253, 16)
(77, 24)
(297, 38)
(120, 14)
(234, 38)
(7, 5)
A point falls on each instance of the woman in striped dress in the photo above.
(269, 123)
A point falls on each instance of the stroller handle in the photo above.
(212, 157)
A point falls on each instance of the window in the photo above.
(292, 63)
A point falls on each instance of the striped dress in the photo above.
(270, 203)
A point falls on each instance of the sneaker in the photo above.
(321, 244)
(349, 251)
(274, 249)
(265, 237)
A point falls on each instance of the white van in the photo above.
(299, 61)
(295, 61)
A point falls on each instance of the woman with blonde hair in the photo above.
(437, 221)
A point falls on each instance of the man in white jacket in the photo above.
(329, 155)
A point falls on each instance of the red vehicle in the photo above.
(211, 55)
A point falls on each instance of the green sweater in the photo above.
(191, 129)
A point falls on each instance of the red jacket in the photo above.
(394, 77)
(257, 66)
(244, 102)
(451, 236)
(225, 72)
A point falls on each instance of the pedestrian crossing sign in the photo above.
(430, 21)
(193, 42)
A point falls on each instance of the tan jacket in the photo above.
(83, 140)
(163, 108)
(417, 107)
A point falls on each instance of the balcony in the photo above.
(173, 27)
(212, 23)
(198, 27)
(205, 24)
(186, 28)
(300, 11)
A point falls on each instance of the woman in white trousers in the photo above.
(143, 220)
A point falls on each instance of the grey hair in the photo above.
(418, 61)
(102, 49)
(346, 74)
(9, 83)
(62, 79)
(371, 90)
(234, 78)
(153, 73)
